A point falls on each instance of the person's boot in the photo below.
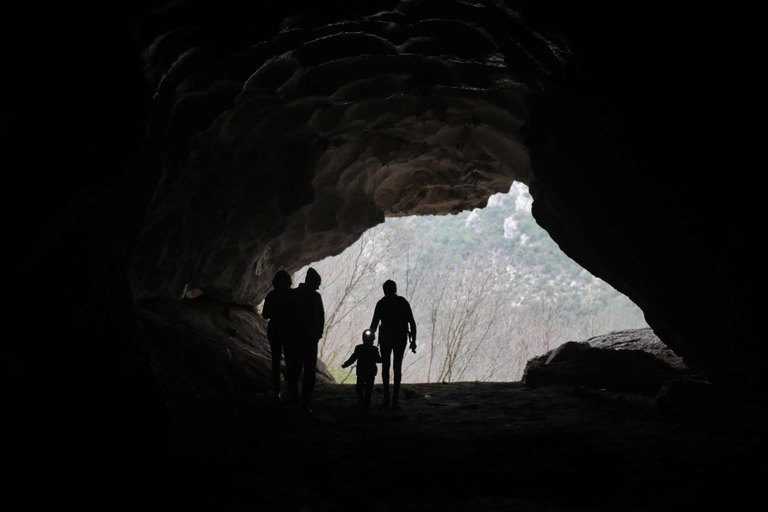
(385, 399)
(305, 409)
(293, 393)
(396, 395)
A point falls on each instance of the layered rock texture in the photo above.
(191, 148)
(283, 152)
(280, 144)
(203, 351)
(633, 361)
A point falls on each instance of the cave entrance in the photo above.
(488, 287)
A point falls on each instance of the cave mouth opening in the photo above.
(488, 287)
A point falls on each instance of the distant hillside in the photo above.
(536, 268)
(489, 289)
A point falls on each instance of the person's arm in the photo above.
(411, 320)
(412, 325)
(351, 359)
(266, 311)
(320, 316)
(378, 356)
(376, 317)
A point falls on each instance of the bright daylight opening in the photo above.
(489, 290)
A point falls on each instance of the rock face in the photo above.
(281, 143)
(632, 361)
(207, 352)
(638, 339)
(280, 147)
(201, 146)
(284, 150)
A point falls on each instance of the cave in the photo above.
(166, 158)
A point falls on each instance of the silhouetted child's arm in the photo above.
(351, 360)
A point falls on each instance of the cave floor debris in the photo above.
(460, 446)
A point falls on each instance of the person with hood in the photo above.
(309, 323)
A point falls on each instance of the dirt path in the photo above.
(465, 446)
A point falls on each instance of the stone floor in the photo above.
(463, 446)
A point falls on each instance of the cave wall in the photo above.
(281, 143)
(282, 146)
(283, 149)
(80, 398)
(635, 174)
(634, 118)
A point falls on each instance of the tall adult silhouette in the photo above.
(310, 322)
(395, 315)
(278, 308)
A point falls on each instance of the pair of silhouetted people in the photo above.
(366, 356)
(296, 323)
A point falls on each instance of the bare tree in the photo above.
(461, 306)
(478, 318)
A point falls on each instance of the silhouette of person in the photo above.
(278, 307)
(309, 323)
(366, 356)
(394, 313)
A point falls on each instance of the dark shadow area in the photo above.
(464, 446)
(156, 148)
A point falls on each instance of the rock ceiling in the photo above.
(284, 152)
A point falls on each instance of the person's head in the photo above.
(282, 280)
(312, 279)
(390, 288)
(368, 337)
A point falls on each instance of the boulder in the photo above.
(579, 364)
(638, 339)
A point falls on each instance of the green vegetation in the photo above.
(343, 375)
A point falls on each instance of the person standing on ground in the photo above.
(278, 307)
(395, 315)
(366, 356)
(310, 322)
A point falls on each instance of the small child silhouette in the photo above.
(366, 356)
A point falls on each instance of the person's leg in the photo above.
(386, 355)
(360, 389)
(368, 391)
(276, 345)
(293, 363)
(398, 352)
(309, 362)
